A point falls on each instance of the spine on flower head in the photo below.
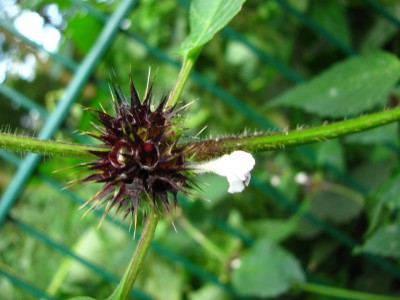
(145, 161)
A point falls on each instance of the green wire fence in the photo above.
(28, 166)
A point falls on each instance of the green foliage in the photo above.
(207, 17)
(385, 241)
(275, 230)
(384, 201)
(330, 15)
(337, 207)
(348, 88)
(266, 270)
(208, 291)
(383, 134)
(164, 279)
(384, 223)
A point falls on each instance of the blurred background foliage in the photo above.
(325, 213)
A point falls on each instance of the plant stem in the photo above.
(202, 240)
(184, 73)
(124, 287)
(216, 147)
(272, 141)
(341, 293)
(24, 144)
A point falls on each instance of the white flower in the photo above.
(235, 167)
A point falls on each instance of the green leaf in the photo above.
(383, 198)
(380, 32)
(331, 16)
(366, 173)
(379, 135)
(276, 230)
(350, 87)
(164, 281)
(330, 153)
(324, 250)
(385, 241)
(207, 17)
(339, 205)
(208, 291)
(388, 193)
(266, 270)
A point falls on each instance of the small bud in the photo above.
(302, 178)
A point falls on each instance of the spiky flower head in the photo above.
(144, 163)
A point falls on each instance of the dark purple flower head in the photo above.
(145, 163)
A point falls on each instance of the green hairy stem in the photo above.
(216, 147)
(24, 144)
(124, 287)
(274, 141)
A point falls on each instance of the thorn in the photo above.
(102, 108)
(173, 224)
(147, 83)
(134, 230)
(64, 169)
(197, 135)
(105, 213)
(70, 184)
(91, 199)
(89, 209)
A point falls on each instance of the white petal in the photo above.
(238, 162)
(247, 180)
(235, 184)
(235, 167)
